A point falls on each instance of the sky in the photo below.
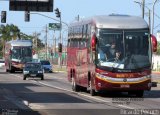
(72, 8)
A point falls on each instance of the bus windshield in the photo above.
(23, 54)
(123, 49)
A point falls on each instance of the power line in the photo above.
(157, 26)
(30, 27)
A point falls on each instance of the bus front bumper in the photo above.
(123, 84)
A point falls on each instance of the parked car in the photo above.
(2, 63)
(33, 69)
(46, 66)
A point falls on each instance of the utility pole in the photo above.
(153, 15)
(143, 8)
(143, 13)
(58, 15)
(46, 43)
(149, 20)
(36, 35)
(35, 43)
(54, 39)
(60, 37)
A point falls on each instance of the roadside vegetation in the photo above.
(158, 50)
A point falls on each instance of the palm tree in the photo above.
(8, 33)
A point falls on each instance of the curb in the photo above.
(60, 71)
(156, 72)
(156, 81)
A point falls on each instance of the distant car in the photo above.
(2, 63)
(46, 66)
(33, 69)
(35, 60)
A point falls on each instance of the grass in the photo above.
(59, 68)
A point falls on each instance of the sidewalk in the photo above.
(57, 68)
(156, 76)
(156, 72)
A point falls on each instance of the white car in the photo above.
(2, 64)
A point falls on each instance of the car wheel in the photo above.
(24, 78)
(42, 78)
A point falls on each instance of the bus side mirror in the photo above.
(93, 42)
(154, 43)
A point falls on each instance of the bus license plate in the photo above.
(125, 86)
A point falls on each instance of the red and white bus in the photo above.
(17, 53)
(89, 41)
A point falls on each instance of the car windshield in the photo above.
(123, 49)
(45, 62)
(33, 66)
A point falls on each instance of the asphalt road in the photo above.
(53, 96)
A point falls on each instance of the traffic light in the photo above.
(58, 13)
(3, 16)
(27, 16)
(60, 47)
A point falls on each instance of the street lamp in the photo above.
(65, 46)
(58, 15)
(143, 5)
(153, 15)
(143, 9)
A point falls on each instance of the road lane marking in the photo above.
(16, 75)
(124, 106)
(84, 95)
(87, 96)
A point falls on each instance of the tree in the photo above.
(7, 33)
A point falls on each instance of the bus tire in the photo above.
(12, 71)
(75, 87)
(139, 93)
(24, 77)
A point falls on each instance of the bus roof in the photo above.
(20, 43)
(115, 22)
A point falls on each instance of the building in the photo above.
(156, 62)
